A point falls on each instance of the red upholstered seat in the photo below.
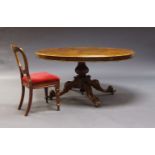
(41, 77)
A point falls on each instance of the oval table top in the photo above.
(85, 54)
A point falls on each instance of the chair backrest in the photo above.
(23, 68)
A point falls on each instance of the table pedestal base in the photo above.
(84, 83)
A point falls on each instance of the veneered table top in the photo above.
(85, 54)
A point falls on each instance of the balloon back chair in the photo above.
(34, 80)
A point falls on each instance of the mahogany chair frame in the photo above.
(24, 71)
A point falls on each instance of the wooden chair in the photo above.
(34, 80)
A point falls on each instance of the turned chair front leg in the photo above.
(57, 95)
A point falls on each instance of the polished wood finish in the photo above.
(82, 81)
(24, 71)
(85, 54)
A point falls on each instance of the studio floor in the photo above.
(132, 106)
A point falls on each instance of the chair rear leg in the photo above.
(22, 98)
(46, 94)
(30, 101)
(57, 95)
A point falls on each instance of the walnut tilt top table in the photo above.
(82, 81)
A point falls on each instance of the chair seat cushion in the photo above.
(41, 77)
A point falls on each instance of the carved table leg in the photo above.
(84, 83)
(78, 81)
(97, 86)
(91, 96)
(68, 86)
